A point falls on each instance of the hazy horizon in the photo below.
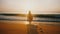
(36, 6)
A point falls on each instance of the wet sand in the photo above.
(21, 28)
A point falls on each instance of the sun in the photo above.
(28, 5)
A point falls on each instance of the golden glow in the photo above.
(26, 22)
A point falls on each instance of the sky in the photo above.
(35, 6)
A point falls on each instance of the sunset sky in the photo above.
(36, 6)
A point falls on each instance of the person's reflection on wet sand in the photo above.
(32, 29)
